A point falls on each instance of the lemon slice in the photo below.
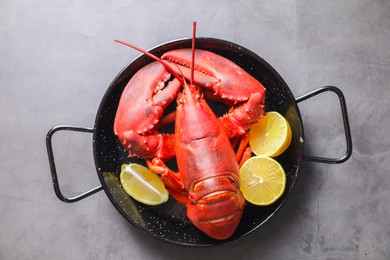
(142, 184)
(263, 180)
(271, 135)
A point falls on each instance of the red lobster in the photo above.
(208, 178)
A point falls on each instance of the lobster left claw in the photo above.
(226, 80)
(140, 108)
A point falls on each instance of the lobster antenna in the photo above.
(166, 65)
(193, 53)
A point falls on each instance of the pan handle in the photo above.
(345, 121)
(53, 166)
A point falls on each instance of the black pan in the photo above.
(168, 221)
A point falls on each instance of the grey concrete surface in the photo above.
(57, 59)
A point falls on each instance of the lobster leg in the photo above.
(244, 151)
(171, 179)
(242, 147)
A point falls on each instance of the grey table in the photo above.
(59, 57)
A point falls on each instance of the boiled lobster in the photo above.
(207, 180)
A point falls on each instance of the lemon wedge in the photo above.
(142, 184)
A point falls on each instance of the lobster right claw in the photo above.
(217, 73)
(227, 81)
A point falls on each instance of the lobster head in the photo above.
(215, 206)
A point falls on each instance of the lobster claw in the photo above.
(141, 106)
(228, 82)
(217, 73)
